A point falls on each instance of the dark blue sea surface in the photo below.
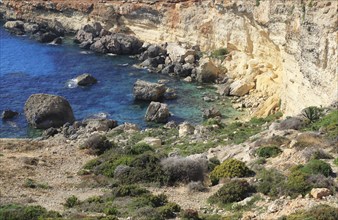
(28, 67)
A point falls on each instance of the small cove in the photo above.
(28, 67)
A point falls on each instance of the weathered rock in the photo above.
(101, 124)
(190, 59)
(178, 53)
(120, 44)
(148, 91)
(240, 87)
(168, 69)
(207, 71)
(85, 80)
(15, 27)
(50, 132)
(45, 111)
(44, 37)
(223, 89)
(151, 141)
(319, 193)
(211, 113)
(157, 112)
(96, 144)
(185, 129)
(155, 50)
(295, 123)
(8, 114)
(31, 28)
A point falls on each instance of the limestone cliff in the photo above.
(288, 48)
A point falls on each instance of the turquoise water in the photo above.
(28, 67)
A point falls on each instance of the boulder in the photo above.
(96, 144)
(170, 94)
(15, 27)
(8, 114)
(241, 87)
(44, 37)
(168, 69)
(157, 112)
(177, 53)
(319, 193)
(85, 80)
(207, 72)
(31, 28)
(185, 129)
(223, 89)
(101, 124)
(120, 44)
(45, 111)
(190, 59)
(151, 141)
(295, 123)
(148, 91)
(155, 50)
(211, 113)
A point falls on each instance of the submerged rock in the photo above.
(211, 113)
(157, 112)
(45, 111)
(85, 80)
(148, 91)
(8, 114)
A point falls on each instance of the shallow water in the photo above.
(28, 67)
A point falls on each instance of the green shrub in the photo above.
(96, 144)
(320, 212)
(213, 162)
(336, 161)
(268, 151)
(219, 53)
(317, 167)
(169, 210)
(140, 148)
(71, 201)
(228, 169)
(128, 190)
(232, 191)
(328, 123)
(312, 113)
(271, 182)
(111, 210)
(297, 183)
(18, 212)
(151, 200)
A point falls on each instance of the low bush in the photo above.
(219, 53)
(320, 212)
(232, 191)
(228, 169)
(316, 167)
(336, 161)
(268, 151)
(96, 144)
(128, 190)
(169, 210)
(19, 212)
(139, 148)
(271, 183)
(297, 183)
(184, 170)
(71, 201)
(213, 162)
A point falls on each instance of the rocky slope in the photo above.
(286, 48)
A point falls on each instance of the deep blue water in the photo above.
(28, 67)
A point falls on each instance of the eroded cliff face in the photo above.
(288, 48)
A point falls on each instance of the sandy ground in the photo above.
(52, 163)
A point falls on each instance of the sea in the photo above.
(28, 67)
